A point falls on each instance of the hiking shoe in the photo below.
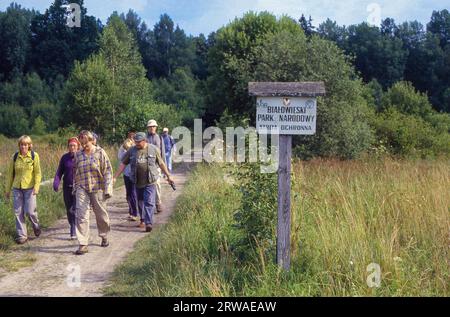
(105, 243)
(37, 232)
(21, 240)
(148, 228)
(83, 249)
(141, 225)
(72, 238)
(132, 218)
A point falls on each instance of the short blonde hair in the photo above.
(127, 144)
(25, 139)
(87, 133)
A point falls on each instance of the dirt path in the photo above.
(56, 268)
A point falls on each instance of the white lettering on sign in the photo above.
(290, 116)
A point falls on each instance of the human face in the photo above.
(131, 135)
(24, 148)
(84, 140)
(140, 144)
(73, 147)
(152, 129)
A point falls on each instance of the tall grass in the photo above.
(346, 215)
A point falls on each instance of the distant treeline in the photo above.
(388, 86)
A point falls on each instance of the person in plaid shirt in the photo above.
(92, 187)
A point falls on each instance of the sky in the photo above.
(205, 16)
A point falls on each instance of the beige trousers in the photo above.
(84, 201)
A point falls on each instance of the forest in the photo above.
(388, 86)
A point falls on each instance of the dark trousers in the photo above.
(131, 196)
(69, 201)
(146, 202)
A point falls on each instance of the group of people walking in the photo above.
(87, 176)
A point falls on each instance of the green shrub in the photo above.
(13, 120)
(403, 97)
(254, 220)
(409, 135)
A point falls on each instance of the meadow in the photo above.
(346, 215)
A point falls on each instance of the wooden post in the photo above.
(284, 203)
(283, 95)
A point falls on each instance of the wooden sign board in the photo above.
(286, 116)
(285, 109)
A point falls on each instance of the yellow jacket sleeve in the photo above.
(37, 173)
(9, 176)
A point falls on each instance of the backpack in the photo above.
(15, 159)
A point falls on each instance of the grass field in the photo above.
(50, 205)
(346, 215)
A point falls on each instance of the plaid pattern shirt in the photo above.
(93, 172)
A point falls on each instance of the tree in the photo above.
(15, 44)
(388, 27)
(170, 48)
(330, 30)
(440, 26)
(306, 25)
(89, 95)
(202, 45)
(39, 126)
(258, 47)
(13, 120)
(183, 91)
(49, 113)
(404, 98)
(343, 116)
(55, 46)
(108, 83)
(377, 55)
(25, 91)
(232, 61)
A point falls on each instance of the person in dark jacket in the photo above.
(65, 173)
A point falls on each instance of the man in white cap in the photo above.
(155, 139)
(169, 144)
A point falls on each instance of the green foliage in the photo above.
(15, 44)
(377, 55)
(55, 46)
(49, 113)
(39, 127)
(254, 220)
(232, 61)
(343, 116)
(440, 26)
(404, 97)
(13, 120)
(89, 95)
(410, 135)
(139, 114)
(103, 88)
(181, 90)
(25, 91)
(258, 47)
(338, 228)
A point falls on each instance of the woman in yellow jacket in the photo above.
(24, 178)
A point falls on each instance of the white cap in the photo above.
(152, 123)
